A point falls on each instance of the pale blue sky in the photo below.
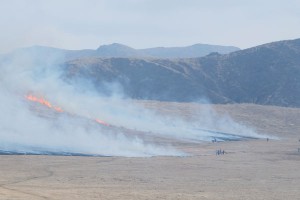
(78, 24)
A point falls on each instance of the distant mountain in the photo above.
(44, 54)
(118, 50)
(197, 50)
(267, 74)
(122, 51)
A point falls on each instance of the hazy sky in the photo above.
(77, 24)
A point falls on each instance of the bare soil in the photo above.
(254, 169)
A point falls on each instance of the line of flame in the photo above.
(56, 108)
(101, 122)
(43, 102)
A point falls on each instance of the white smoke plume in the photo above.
(26, 126)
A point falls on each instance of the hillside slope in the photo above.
(119, 50)
(267, 74)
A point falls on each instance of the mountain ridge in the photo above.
(120, 50)
(268, 74)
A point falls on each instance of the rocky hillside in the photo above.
(267, 74)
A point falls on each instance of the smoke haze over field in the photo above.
(31, 127)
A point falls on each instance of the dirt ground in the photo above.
(255, 169)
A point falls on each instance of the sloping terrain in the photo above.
(42, 53)
(196, 50)
(268, 74)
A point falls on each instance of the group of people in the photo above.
(220, 152)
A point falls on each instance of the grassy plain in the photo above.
(254, 169)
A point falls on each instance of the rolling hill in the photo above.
(268, 74)
(41, 53)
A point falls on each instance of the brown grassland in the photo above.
(254, 169)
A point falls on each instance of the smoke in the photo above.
(27, 126)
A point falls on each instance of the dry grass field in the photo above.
(254, 169)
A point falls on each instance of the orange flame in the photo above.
(102, 122)
(56, 108)
(43, 102)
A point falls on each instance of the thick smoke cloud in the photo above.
(31, 127)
